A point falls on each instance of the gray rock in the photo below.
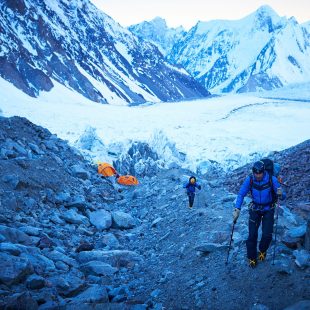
(14, 269)
(30, 203)
(116, 258)
(77, 202)
(39, 262)
(283, 267)
(80, 172)
(298, 232)
(62, 197)
(156, 221)
(35, 149)
(55, 218)
(101, 219)
(9, 203)
(45, 242)
(22, 301)
(110, 241)
(10, 248)
(302, 258)
(291, 242)
(94, 295)
(51, 145)
(98, 268)
(122, 220)
(14, 235)
(68, 284)
(62, 266)
(73, 217)
(35, 282)
(56, 256)
(31, 231)
(18, 148)
(7, 154)
(11, 179)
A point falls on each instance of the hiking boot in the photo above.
(261, 256)
(252, 263)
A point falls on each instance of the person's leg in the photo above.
(251, 243)
(267, 230)
(191, 197)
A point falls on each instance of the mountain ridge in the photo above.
(245, 55)
(87, 51)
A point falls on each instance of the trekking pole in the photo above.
(231, 238)
(275, 236)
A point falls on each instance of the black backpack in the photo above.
(269, 167)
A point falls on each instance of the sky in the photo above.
(231, 129)
(188, 12)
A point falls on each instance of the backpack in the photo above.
(273, 169)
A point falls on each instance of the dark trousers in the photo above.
(191, 197)
(255, 219)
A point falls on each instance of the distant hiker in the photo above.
(265, 190)
(190, 190)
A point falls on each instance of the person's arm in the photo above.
(245, 188)
(278, 189)
(242, 192)
(198, 186)
(185, 185)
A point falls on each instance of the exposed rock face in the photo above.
(157, 32)
(82, 48)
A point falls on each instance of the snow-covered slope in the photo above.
(157, 32)
(260, 51)
(231, 130)
(77, 45)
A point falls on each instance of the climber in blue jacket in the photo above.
(265, 190)
(190, 190)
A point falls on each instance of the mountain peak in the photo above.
(159, 22)
(266, 10)
(265, 18)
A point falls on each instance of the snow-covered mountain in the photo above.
(306, 25)
(157, 32)
(260, 51)
(77, 45)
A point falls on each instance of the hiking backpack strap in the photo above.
(267, 185)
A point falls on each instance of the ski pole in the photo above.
(231, 238)
(275, 236)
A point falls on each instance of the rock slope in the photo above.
(70, 239)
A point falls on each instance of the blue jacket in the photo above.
(262, 199)
(191, 187)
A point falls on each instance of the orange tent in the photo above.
(127, 180)
(106, 169)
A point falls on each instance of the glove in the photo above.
(236, 214)
(199, 187)
(279, 192)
